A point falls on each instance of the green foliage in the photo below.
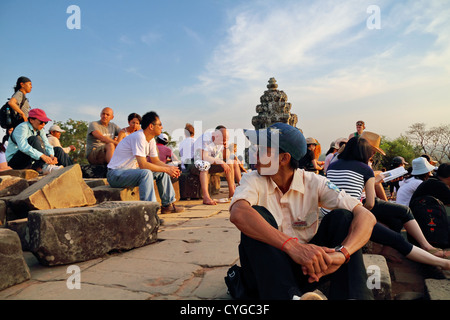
(76, 132)
(393, 148)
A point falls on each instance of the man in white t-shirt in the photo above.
(129, 166)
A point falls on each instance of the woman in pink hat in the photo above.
(28, 147)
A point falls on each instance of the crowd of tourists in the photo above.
(302, 221)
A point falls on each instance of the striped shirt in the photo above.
(350, 176)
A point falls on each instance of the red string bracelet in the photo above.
(287, 242)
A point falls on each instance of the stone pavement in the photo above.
(195, 248)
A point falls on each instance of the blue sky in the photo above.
(210, 61)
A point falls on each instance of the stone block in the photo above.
(96, 182)
(3, 210)
(379, 278)
(27, 174)
(438, 289)
(108, 193)
(64, 236)
(94, 171)
(63, 188)
(11, 185)
(20, 226)
(13, 268)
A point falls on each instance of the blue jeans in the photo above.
(143, 178)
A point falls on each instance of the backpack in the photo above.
(9, 118)
(431, 215)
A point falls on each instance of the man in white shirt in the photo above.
(285, 245)
(187, 146)
(210, 155)
(54, 136)
(129, 166)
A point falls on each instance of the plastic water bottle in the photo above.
(8, 117)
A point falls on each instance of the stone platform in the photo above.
(194, 249)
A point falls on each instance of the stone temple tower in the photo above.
(273, 108)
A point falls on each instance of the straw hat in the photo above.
(374, 140)
(311, 141)
(420, 166)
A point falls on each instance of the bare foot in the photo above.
(209, 201)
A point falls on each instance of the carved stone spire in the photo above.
(273, 108)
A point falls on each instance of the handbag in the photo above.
(235, 284)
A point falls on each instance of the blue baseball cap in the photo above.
(281, 135)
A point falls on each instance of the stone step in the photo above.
(379, 278)
(14, 269)
(64, 236)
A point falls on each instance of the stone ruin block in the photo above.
(108, 193)
(14, 269)
(64, 188)
(64, 236)
(12, 185)
(27, 174)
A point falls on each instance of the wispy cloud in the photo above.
(150, 38)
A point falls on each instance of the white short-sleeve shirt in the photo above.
(135, 144)
(296, 211)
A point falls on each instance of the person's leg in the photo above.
(142, 178)
(109, 151)
(204, 185)
(350, 280)
(165, 188)
(63, 158)
(21, 160)
(230, 181)
(268, 272)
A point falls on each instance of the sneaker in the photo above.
(50, 168)
(171, 208)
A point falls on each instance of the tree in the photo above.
(76, 132)
(393, 148)
(434, 142)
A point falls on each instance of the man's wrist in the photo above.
(344, 251)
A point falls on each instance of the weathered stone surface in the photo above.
(27, 174)
(13, 268)
(379, 278)
(107, 193)
(274, 108)
(96, 182)
(438, 289)
(63, 236)
(3, 209)
(11, 185)
(20, 226)
(62, 188)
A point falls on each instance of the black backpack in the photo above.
(431, 216)
(9, 118)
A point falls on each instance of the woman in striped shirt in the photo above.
(352, 174)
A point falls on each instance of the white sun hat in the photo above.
(421, 166)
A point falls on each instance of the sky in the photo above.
(208, 62)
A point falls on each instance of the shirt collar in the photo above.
(296, 184)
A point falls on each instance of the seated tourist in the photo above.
(187, 146)
(28, 147)
(421, 171)
(166, 154)
(129, 166)
(134, 124)
(310, 161)
(101, 138)
(54, 136)
(436, 186)
(284, 249)
(211, 151)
